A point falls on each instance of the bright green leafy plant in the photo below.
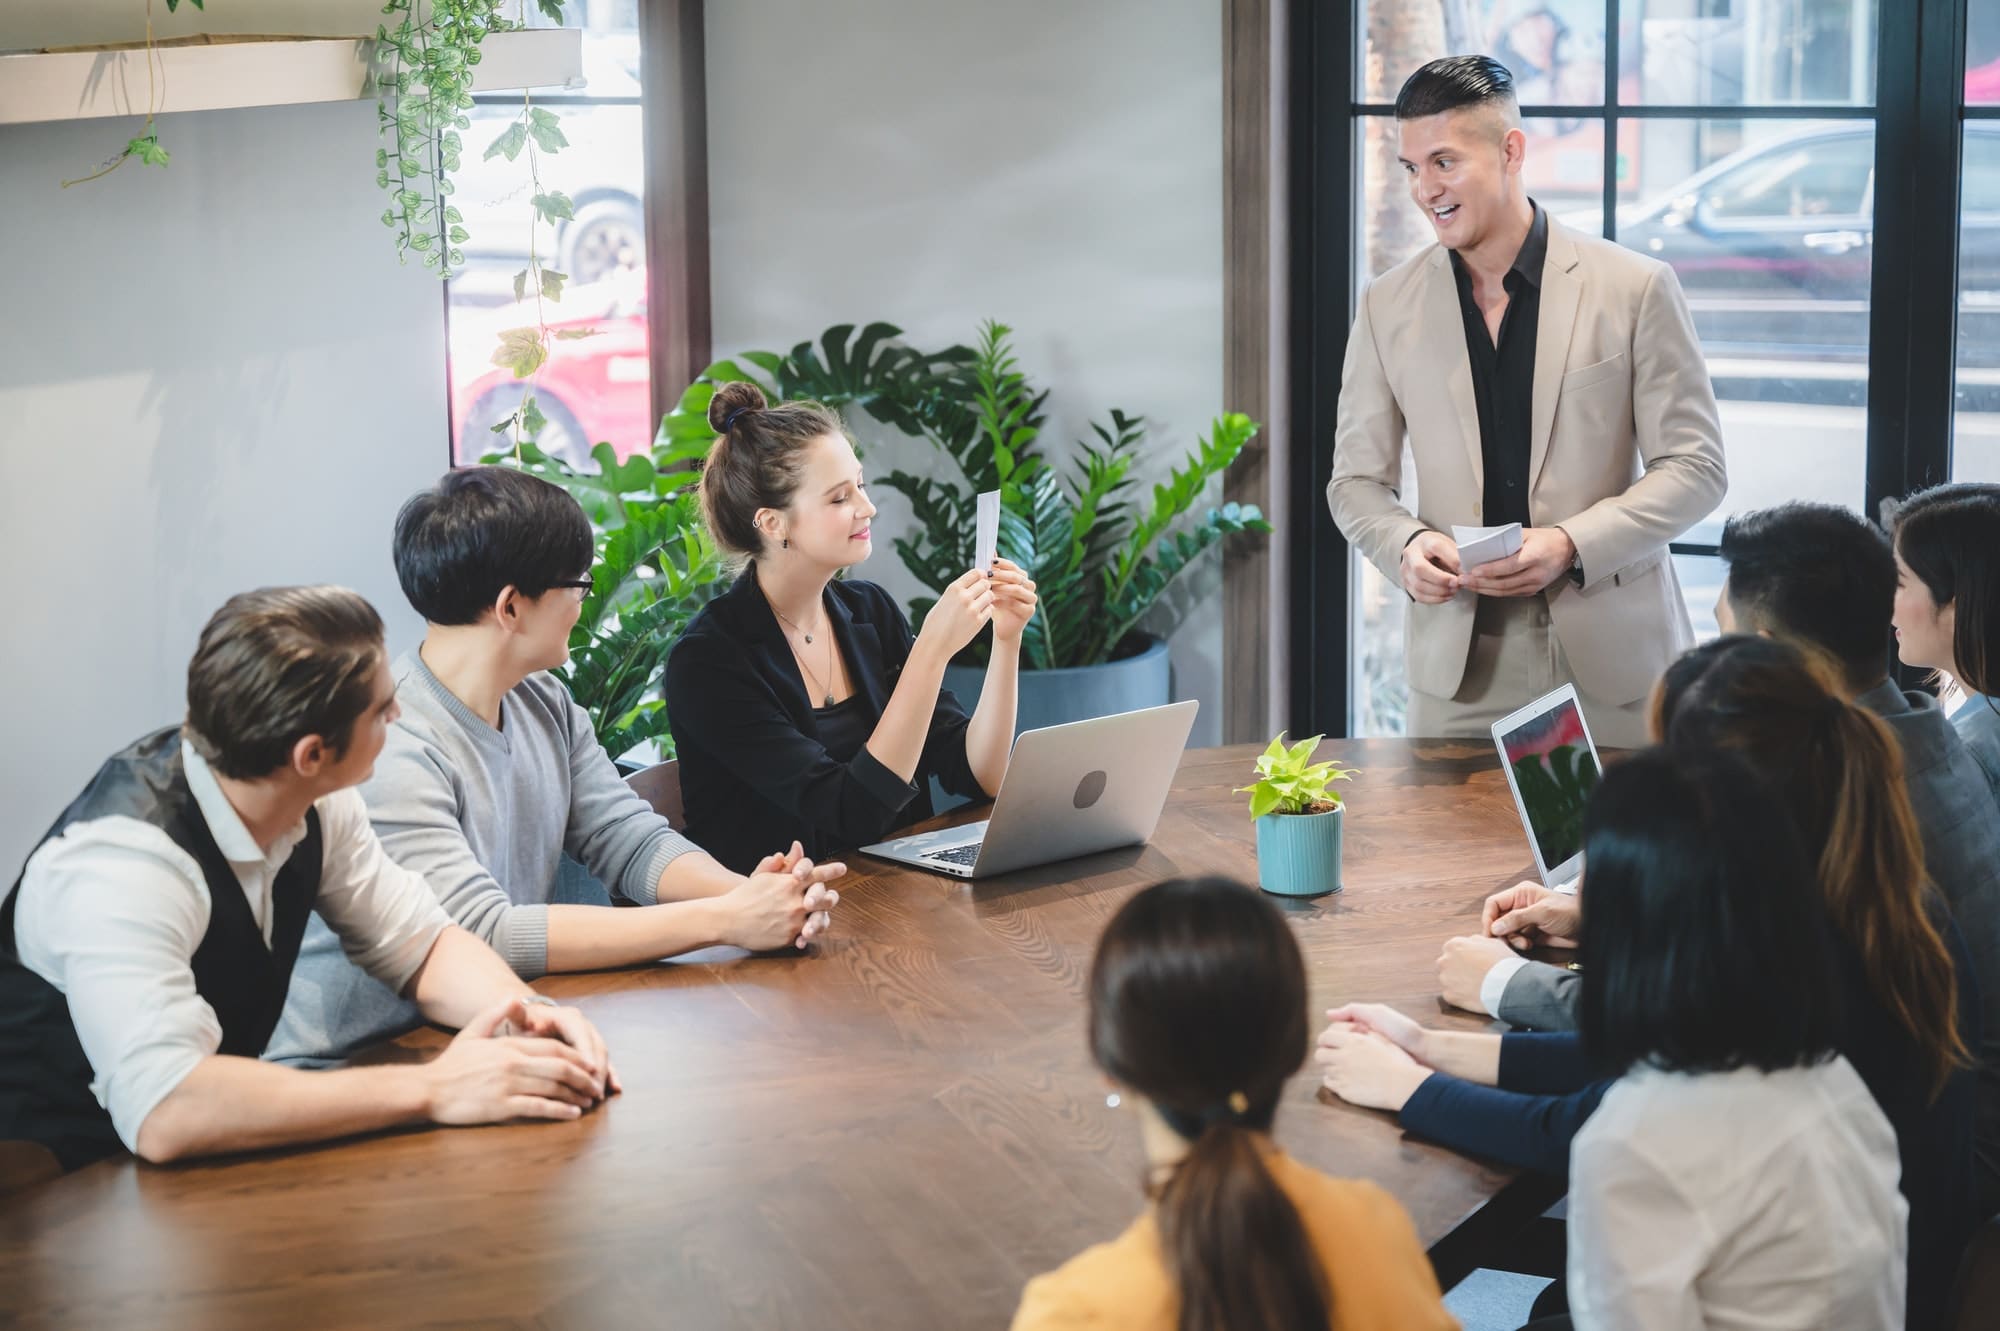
(1289, 782)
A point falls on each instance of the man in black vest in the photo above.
(146, 949)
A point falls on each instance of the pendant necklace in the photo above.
(797, 655)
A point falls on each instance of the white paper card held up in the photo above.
(986, 541)
(1483, 545)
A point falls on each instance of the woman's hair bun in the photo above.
(730, 399)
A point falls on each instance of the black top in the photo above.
(44, 1074)
(758, 766)
(844, 727)
(1503, 375)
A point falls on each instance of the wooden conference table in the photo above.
(895, 1131)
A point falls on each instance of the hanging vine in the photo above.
(145, 145)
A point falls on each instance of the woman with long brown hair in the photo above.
(1198, 1017)
(1908, 1018)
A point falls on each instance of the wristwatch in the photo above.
(1575, 565)
(540, 1000)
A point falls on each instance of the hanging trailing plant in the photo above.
(424, 89)
(145, 145)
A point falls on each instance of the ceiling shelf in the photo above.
(222, 73)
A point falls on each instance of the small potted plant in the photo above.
(1297, 813)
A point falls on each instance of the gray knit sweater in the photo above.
(485, 816)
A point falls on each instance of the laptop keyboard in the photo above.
(964, 856)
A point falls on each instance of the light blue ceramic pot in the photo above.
(1298, 854)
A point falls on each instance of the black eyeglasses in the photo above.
(581, 584)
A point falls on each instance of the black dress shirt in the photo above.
(1503, 375)
(760, 766)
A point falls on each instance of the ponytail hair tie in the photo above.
(730, 420)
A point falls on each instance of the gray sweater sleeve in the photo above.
(615, 833)
(413, 800)
(1541, 996)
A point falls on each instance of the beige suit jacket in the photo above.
(1626, 452)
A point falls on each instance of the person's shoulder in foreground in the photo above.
(1377, 1273)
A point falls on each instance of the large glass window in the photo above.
(590, 389)
(1975, 451)
(1742, 155)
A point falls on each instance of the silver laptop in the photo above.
(1551, 765)
(1070, 790)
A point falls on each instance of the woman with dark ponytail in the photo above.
(1948, 605)
(1198, 1017)
(803, 708)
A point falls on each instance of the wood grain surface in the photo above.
(895, 1130)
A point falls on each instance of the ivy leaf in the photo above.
(532, 419)
(542, 124)
(552, 8)
(147, 149)
(552, 283)
(554, 206)
(459, 235)
(510, 143)
(520, 286)
(576, 334)
(522, 351)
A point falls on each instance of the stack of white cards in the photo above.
(986, 532)
(1483, 545)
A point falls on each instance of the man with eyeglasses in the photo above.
(493, 772)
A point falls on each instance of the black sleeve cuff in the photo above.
(879, 783)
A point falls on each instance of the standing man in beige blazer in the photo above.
(1542, 377)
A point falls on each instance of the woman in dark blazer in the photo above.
(804, 708)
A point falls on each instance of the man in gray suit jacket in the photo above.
(1824, 577)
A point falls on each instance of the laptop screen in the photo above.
(1555, 771)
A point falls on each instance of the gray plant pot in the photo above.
(1298, 854)
(1055, 697)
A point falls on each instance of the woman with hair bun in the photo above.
(802, 705)
(1198, 1017)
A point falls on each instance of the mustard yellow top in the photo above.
(1376, 1271)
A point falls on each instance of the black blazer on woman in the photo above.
(754, 774)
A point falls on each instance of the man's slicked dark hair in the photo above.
(1709, 944)
(481, 529)
(1818, 573)
(1453, 84)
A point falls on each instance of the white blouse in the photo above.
(1743, 1199)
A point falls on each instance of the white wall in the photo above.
(1057, 166)
(212, 377)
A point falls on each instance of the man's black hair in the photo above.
(481, 529)
(1818, 573)
(1453, 84)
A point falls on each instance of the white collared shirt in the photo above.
(111, 913)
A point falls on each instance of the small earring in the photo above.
(1111, 1101)
(787, 543)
